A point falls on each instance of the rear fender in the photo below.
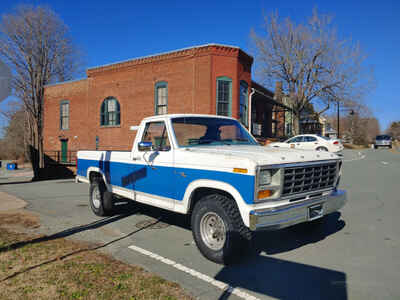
(97, 170)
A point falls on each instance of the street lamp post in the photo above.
(338, 123)
(338, 118)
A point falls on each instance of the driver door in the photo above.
(157, 187)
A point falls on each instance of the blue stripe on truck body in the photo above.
(164, 181)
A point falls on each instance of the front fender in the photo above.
(218, 185)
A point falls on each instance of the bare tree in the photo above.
(313, 64)
(12, 144)
(35, 43)
(394, 130)
(360, 126)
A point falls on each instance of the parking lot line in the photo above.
(218, 284)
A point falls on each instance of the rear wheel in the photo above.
(218, 229)
(101, 200)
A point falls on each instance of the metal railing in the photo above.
(58, 157)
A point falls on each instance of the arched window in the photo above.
(224, 96)
(110, 112)
(161, 98)
(244, 111)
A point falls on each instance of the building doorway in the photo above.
(64, 151)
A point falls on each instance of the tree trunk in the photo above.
(36, 152)
(296, 124)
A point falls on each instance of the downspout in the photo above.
(250, 98)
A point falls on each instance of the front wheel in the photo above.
(218, 229)
(101, 200)
(322, 149)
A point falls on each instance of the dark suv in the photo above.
(383, 141)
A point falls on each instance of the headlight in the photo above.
(265, 177)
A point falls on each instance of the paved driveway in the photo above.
(355, 255)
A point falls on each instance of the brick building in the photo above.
(97, 112)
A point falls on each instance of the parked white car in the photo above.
(310, 142)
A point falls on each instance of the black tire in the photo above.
(236, 236)
(322, 149)
(104, 205)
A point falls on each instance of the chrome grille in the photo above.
(308, 178)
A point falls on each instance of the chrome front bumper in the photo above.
(297, 212)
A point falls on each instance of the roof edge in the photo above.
(164, 53)
(64, 82)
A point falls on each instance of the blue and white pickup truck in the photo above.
(211, 168)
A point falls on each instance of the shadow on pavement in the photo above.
(282, 279)
(273, 242)
(122, 212)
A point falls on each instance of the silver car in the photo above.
(383, 141)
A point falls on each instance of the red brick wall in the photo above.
(191, 76)
(75, 93)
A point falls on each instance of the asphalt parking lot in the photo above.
(355, 255)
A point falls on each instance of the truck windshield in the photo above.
(200, 131)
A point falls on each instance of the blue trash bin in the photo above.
(11, 166)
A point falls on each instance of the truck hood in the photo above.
(263, 155)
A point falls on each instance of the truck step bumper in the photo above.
(298, 212)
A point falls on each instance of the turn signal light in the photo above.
(240, 170)
(264, 194)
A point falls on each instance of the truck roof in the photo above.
(170, 116)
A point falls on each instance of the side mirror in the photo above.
(145, 146)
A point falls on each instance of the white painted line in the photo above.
(385, 162)
(218, 284)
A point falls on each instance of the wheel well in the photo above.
(199, 193)
(94, 175)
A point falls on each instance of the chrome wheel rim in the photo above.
(96, 197)
(213, 231)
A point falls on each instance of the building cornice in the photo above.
(215, 49)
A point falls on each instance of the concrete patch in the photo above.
(9, 202)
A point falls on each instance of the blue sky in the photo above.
(110, 31)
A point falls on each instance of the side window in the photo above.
(297, 139)
(310, 139)
(224, 96)
(64, 115)
(156, 133)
